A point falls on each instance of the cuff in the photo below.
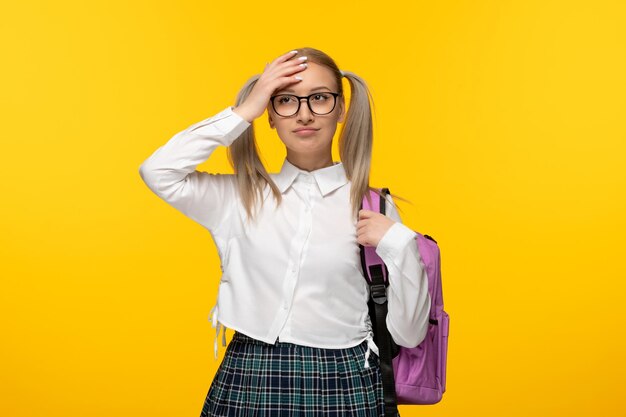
(227, 122)
(394, 241)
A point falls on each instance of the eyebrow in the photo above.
(313, 89)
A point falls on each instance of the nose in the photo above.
(304, 113)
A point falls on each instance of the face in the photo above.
(320, 141)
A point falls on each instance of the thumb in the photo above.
(365, 213)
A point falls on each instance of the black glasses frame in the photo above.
(308, 102)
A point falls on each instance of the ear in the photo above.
(269, 118)
(342, 114)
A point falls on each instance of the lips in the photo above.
(305, 129)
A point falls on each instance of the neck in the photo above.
(307, 163)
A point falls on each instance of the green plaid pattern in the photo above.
(257, 379)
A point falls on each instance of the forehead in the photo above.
(314, 78)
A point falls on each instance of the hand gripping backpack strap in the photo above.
(384, 341)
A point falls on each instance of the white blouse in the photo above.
(295, 274)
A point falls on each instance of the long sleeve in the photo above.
(408, 298)
(170, 172)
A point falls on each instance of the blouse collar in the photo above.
(328, 179)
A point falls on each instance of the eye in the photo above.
(285, 99)
(321, 97)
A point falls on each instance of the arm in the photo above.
(408, 305)
(170, 172)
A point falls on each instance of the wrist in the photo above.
(243, 113)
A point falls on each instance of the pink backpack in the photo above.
(410, 375)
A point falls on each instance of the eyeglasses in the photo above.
(319, 103)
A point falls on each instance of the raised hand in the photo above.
(277, 74)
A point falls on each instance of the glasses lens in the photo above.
(285, 104)
(322, 103)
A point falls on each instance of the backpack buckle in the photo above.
(377, 293)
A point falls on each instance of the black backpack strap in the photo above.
(377, 304)
(384, 347)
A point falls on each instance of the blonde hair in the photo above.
(355, 142)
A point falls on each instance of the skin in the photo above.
(315, 151)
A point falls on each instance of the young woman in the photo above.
(292, 287)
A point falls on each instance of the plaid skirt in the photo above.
(257, 379)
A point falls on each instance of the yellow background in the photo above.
(502, 121)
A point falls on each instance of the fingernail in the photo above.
(298, 78)
(293, 52)
(302, 58)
